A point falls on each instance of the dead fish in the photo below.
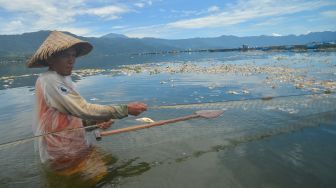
(145, 120)
(233, 92)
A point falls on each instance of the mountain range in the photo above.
(111, 44)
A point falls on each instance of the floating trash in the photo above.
(145, 120)
(233, 92)
(282, 109)
(275, 75)
(213, 85)
(266, 98)
(289, 110)
(315, 90)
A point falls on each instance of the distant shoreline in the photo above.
(328, 47)
(324, 47)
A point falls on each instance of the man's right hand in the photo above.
(136, 108)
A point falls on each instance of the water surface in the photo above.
(278, 129)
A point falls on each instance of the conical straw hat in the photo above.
(54, 43)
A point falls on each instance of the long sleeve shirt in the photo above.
(60, 107)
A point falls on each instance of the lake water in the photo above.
(278, 128)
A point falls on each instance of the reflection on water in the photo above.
(261, 140)
(246, 136)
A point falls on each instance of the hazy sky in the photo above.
(172, 19)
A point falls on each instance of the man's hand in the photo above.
(136, 108)
(105, 124)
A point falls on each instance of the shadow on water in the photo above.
(127, 169)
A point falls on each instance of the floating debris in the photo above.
(11, 78)
(270, 108)
(299, 86)
(282, 108)
(289, 110)
(278, 58)
(266, 98)
(233, 92)
(213, 86)
(87, 72)
(145, 120)
(327, 92)
(94, 99)
(315, 90)
(277, 73)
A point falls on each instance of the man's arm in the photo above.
(68, 101)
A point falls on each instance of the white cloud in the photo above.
(330, 13)
(143, 3)
(307, 32)
(247, 10)
(147, 31)
(13, 26)
(231, 15)
(19, 16)
(213, 9)
(111, 12)
(76, 30)
(189, 13)
(149, 2)
(276, 35)
(140, 5)
(32, 15)
(36, 14)
(272, 21)
(119, 27)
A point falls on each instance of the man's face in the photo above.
(63, 62)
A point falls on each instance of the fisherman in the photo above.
(59, 107)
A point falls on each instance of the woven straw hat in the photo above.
(54, 43)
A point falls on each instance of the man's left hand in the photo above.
(105, 124)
